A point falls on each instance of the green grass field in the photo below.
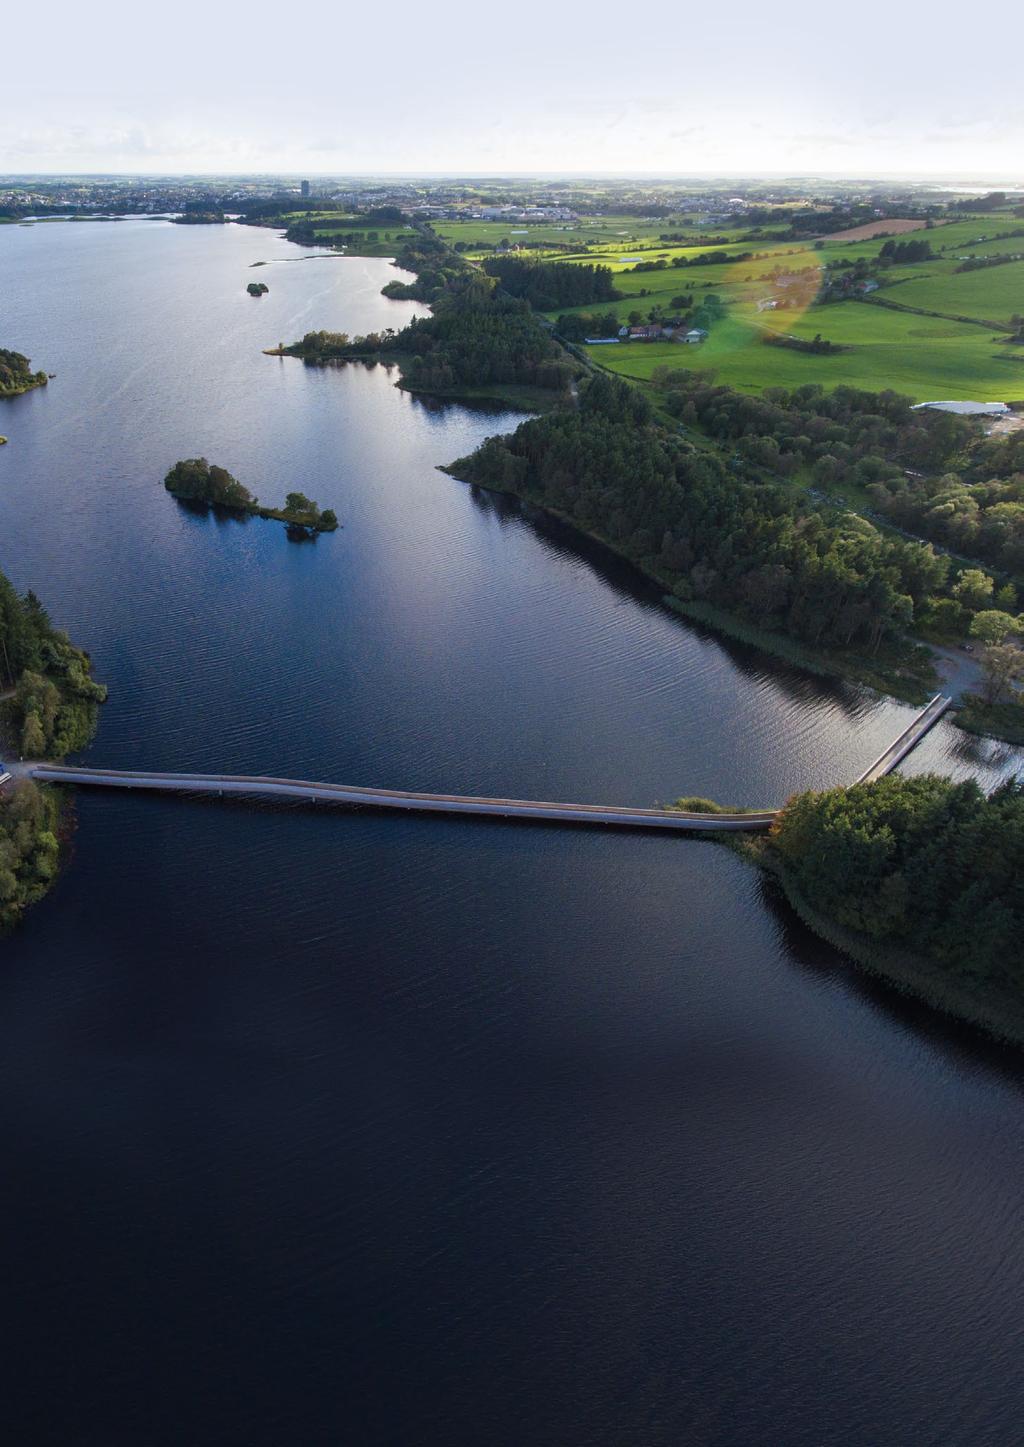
(928, 358)
(603, 239)
(995, 293)
(924, 357)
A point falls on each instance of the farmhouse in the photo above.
(693, 337)
(645, 334)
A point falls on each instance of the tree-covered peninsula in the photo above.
(478, 343)
(920, 879)
(48, 709)
(841, 591)
(196, 481)
(16, 374)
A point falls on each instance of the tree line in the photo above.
(980, 519)
(29, 848)
(898, 253)
(550, 284)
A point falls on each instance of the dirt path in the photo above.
(960, 671)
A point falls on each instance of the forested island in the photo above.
(198, 482)
(48, 705)
(16, 374)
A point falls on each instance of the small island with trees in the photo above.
(195, 481)
(16, 374)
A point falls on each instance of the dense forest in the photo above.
(482, 339)
(16, 374)
(436, 265)
(846, 435)
(978, 510)
(763, 552)
(578, 326)
(924, 864)
(51, 708)
(550, 284)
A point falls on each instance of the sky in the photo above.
(793, 87)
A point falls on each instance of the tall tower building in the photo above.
(305, 188)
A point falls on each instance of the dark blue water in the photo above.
(324, 1127)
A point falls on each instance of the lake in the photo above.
(324, 1126)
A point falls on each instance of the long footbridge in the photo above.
(607, 815)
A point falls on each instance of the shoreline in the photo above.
(270, 514)
(25, 387)
(999, 1016)
(775, 645)
(512, 395)
(852, 669)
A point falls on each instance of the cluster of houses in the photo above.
(673, 330)
(520, 213)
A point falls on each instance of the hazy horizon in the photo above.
(979, 179)
(801, 91)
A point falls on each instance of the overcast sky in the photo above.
(324, 88)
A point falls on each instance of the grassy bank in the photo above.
(991, 720)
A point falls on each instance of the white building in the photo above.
(966, 409)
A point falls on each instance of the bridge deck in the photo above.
(310, 790)
(908, 739)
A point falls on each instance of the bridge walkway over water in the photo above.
(908, 739)
(607, 815)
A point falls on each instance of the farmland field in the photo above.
(927, 357)
(924, 357)
(876, 228)
(618, 235)
(994, 293)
